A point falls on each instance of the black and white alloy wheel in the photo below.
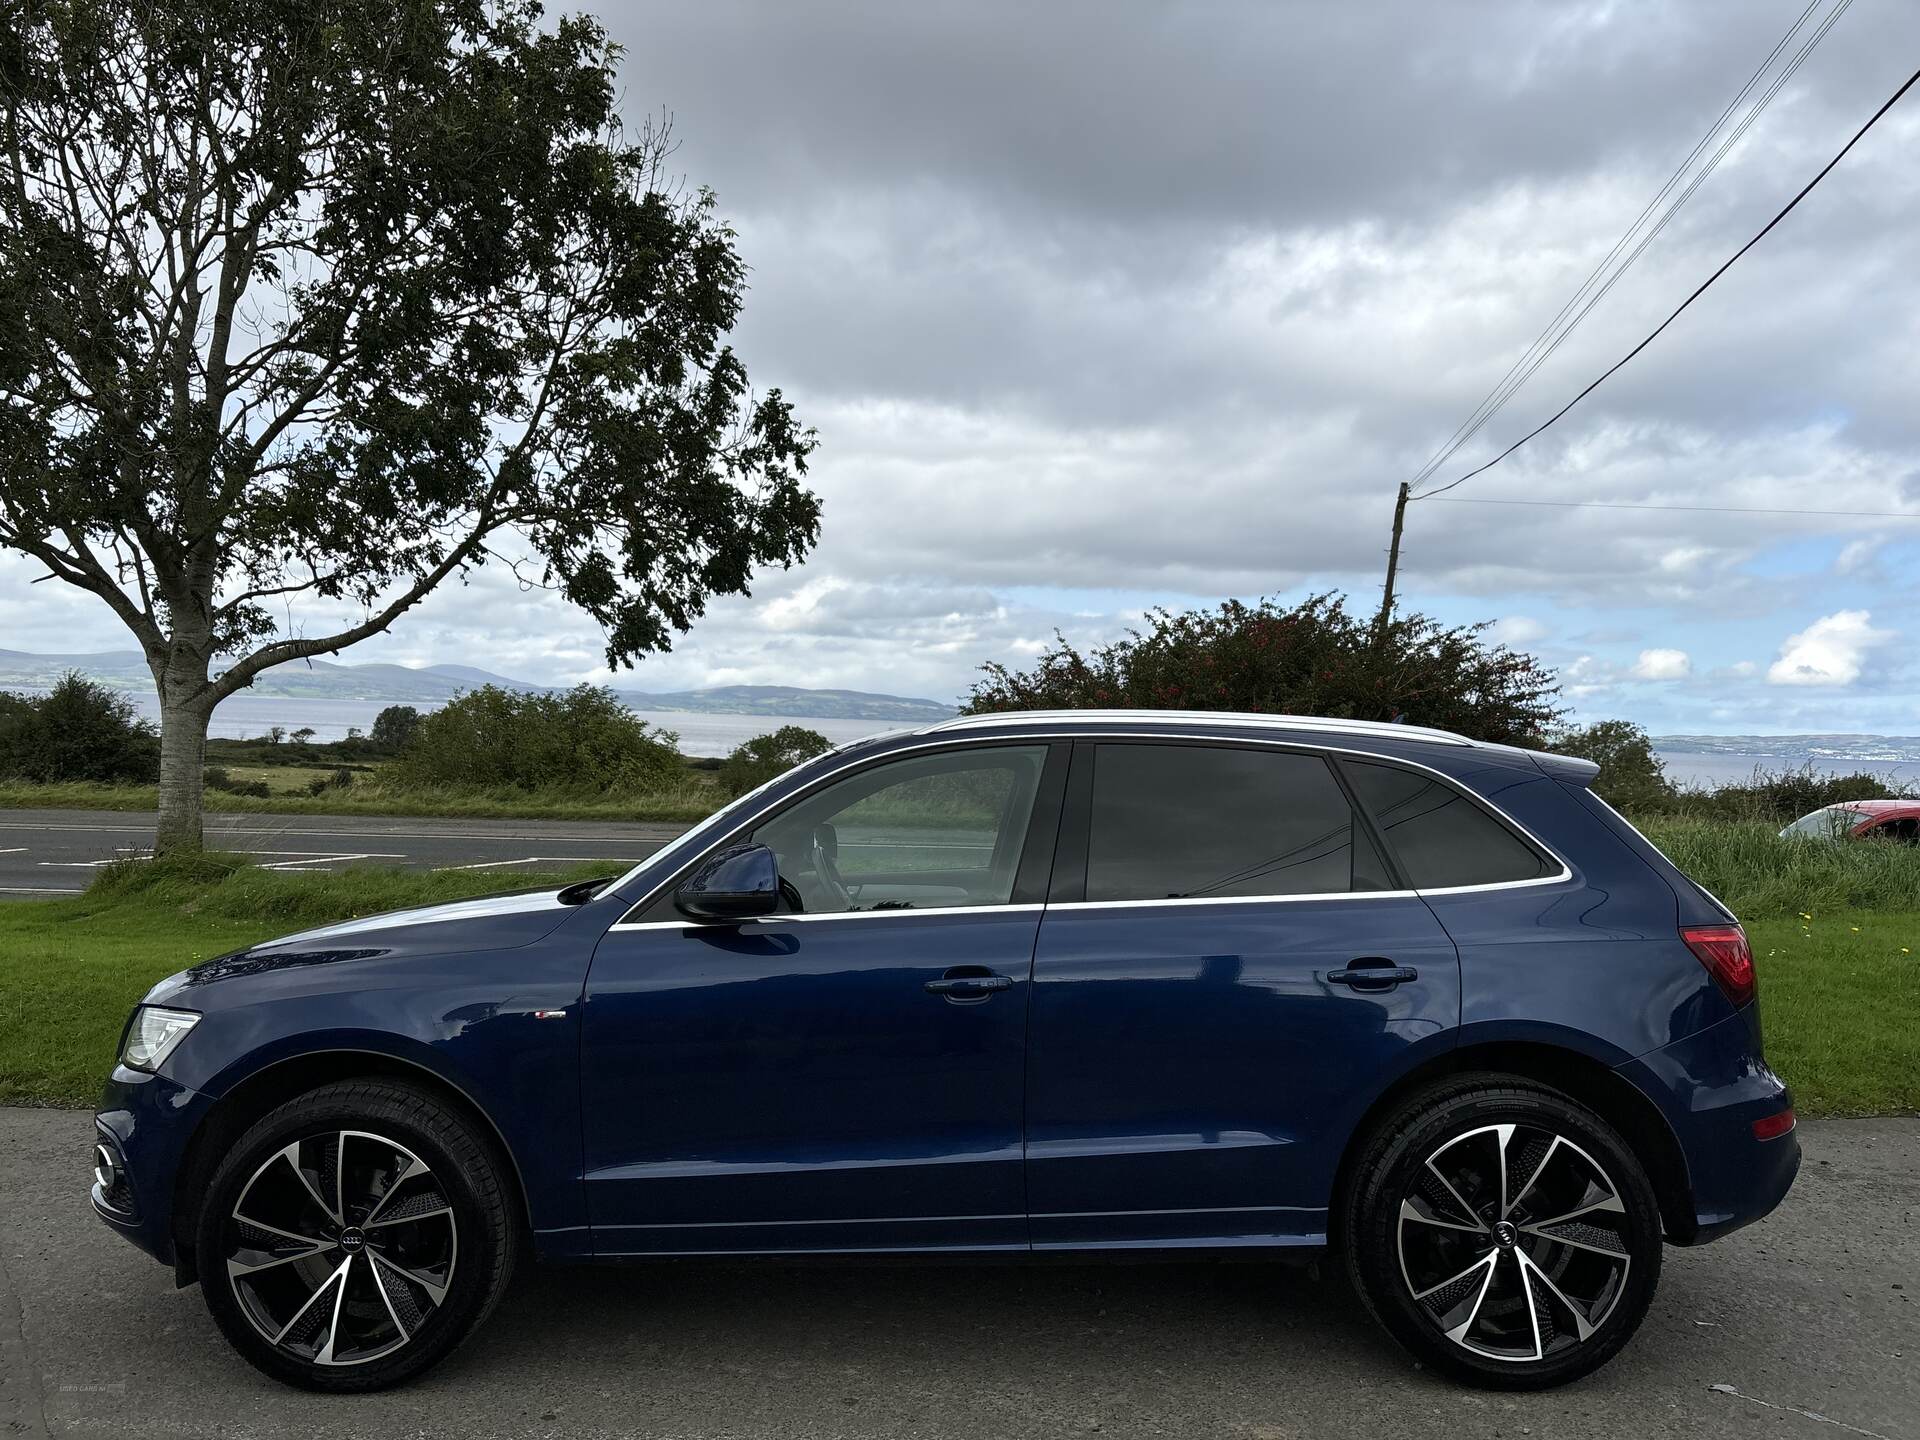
(1504, 1233)
(355, 1235)
(340, 1246)
(1511, 1237)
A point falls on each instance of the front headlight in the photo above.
(152, 1035)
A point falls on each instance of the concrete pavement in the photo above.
(1807, 1325)
(46, 853)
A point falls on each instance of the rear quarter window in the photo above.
(1441, 838)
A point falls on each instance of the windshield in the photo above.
(1829, 824)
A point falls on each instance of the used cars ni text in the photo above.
(1031, 984)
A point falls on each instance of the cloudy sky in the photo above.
(1101, 306)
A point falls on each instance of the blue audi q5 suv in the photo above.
(1032, 984)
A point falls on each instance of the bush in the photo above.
(758, 760)
(79, 730)
(583, 740)
(393, 727)
(1777, 797)
(1631, 777)
(340, 779)
(1311, 659)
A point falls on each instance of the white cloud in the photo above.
(1517, 631)
(1831, 651)
(1662, 665)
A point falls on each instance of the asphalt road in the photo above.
(51, 852)
(1807, 1325)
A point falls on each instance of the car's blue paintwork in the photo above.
(793, 1086)
(1192, 1074)
(1173, 1075)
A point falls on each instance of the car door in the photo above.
(849, 1074)
(1225, 970)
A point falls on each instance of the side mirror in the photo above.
(736, 884)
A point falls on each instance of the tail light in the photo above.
(1772, 1127)
(1723, 949)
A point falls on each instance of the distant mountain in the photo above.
(1865, 749)
(436, 684)
(791, 700)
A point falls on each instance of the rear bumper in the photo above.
(145, 1122)
(1711, 1087)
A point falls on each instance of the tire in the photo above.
(1481, 1272)
(369, 1223)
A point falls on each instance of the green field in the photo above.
(691, 799)
(1840, 989)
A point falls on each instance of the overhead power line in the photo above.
(1595, 289)
(1705, 285)
(1691, 509)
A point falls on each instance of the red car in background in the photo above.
(1860, 820)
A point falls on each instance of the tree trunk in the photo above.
(183, 753)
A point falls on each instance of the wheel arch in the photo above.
(271, 1086)
(1579, 1076)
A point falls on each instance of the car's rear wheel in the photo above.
(355, 1235)
(1503, 1233)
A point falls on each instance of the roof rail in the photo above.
(1382, 728)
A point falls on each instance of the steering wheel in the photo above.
(791, 897)
(824, 851)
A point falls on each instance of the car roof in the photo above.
(1878, 807)
(1313, 728)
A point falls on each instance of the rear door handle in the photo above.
(1377, 976)
(962, 988)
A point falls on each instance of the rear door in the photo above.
(1205, 1029)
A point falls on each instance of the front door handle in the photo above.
(966, 985)
(1373, 975)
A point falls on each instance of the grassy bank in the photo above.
(1758, 874)
(1839, 989)
(70, 970)
(689, 800)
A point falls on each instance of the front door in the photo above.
(1205, 1028)
(848, 1075)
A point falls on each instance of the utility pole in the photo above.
(1393, 560)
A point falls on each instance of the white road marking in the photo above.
(524, 860)
(16, 850)
(39, 890)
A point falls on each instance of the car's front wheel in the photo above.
(1503, 1233)
(355, 1235)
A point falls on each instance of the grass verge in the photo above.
(691, 799)
(70, 970)
(1840, 1002)
(1839, 990)
(1758, 874)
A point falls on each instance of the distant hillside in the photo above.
(791, 700)
(436, 684)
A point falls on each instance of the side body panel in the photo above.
(792, 1084)
(1193, 1076)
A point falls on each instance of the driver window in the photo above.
(927, 833)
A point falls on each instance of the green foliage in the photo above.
(78, 730)
(1777, 797)
(580, 741)
(325, 299)
(758, 760)
(218, 777)
(1756, 873)
(1631, 777)
(393, 727)
(1308, 659)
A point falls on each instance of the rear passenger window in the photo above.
(1196, 822)
(1438, 835)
